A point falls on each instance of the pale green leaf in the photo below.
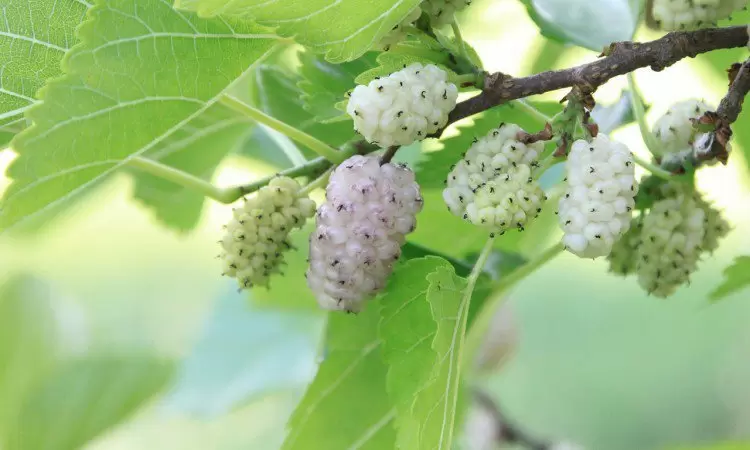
(346, 406)
(342, 29)
(590, 24)
(28, 345)
(392, 61)
(34, 36)
(407, 330)
(438, 403)
(228, 368)
(197, 148)
(143, 72)
(736, 277)
(84, 398)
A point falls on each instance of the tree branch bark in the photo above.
(731, 105)
(621, 58)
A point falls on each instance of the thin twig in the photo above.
(389, 154)
(508, 433)
(731, 105)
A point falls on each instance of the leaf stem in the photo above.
(484, 318)
(467, 78)
(640, 116)
(181, 178)
(654, 169)
(321, 181)
(532, 111)
(311, 167)
(293, 133)
(459, 39)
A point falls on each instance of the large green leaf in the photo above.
(84, 398)
(438, 405)
(590, 24)
(736, 277)
(346, 406)
(143, 72)
(342, 29)
(28, 345)
(197, 148)
(407, 330)
(34, 36)
(229, 367)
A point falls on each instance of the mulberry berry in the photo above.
(692, 14)
(596, 209)
(623, 257)
(404, 107)
(492, 185)
(256, 237)
(441, 11)
(360, 230)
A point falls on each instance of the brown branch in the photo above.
(731, 105)
(621, 58)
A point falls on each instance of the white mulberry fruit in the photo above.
(360, 230)
(623, 258)
(675, 133)
(692, 14)
(398, 33)
(256, 236)
(492, 185)
(441, 11)
(597, 207)
(716, 227)
(403, 107)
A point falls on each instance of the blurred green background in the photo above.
(105, 309)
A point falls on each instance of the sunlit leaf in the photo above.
(143, 72)
(83, 398)
(245, 353)
(34, 36)
(346, 406)
(590, 24)
(343, 30)
(736, 277)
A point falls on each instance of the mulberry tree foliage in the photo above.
(410, 188)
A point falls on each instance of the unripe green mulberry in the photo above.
(624, 255)
(441, 12)
(716, 227)
(492, 185)
(256, 237)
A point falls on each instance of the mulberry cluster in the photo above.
(492, 185)
(692, 14)
(403, 107)
(674, 131)
(596, 209)
(256, 237)
(360, 230)
(441, 11)
(670, 239)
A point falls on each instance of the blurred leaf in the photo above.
(34, 36)
(324, 84)
(590, 24)
(84, 398)
(197, 148)
(611, 117)
(407, 329)
(141, 73)
(244, 353)
(437, 403)
(28, 342)
(346, 406)
(433, 169)
(344, 30)
(722, 446)
(736, 277)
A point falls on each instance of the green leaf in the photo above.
(83, 399)
(736, 277)
(34, 36)
(28, 345)
(590, 24)
(407, 330)
(438, 403)
(433, 169)
(343, 30)
(197, 148)
(324, 84)
(346, 406)
(394, 60)
(143, 72)
(228, 368)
